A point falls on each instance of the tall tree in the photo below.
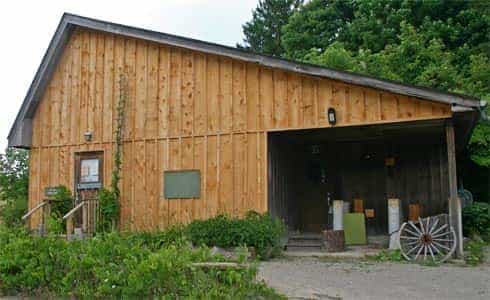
(315, 26)
(263, 32)
(375, 24)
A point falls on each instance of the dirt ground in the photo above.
(316, 278)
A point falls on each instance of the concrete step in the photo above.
(310, 245)
(306, 236)
(303, 248)
(304, 242)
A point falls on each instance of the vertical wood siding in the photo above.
(186, 110)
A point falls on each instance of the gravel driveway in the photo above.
(314, 278)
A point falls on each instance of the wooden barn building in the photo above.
(239, 131)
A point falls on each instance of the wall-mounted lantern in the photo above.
(88, 136)
(332, 118)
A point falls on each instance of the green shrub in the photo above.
(60, 205)
(30, 264)
(261, 231)
(116, 265)
(63, 202)
(173, 236)
(476, 220)
(474, 252)
(55, 225)
(109, 210)
(11, 211)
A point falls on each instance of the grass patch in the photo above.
(388, 255)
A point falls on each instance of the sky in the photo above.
(26, 27)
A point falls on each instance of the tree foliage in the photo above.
(14, 178)
(263, 32)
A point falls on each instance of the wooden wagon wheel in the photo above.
(427, 238)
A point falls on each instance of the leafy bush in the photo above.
(109, 210)
(118, 266)
(11, 211)
(30, 265)
(261, 231)
(63, 202)
(173, 236)
(476, 220)
(474, 252)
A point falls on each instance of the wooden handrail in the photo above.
(27, 215)
(71, 212)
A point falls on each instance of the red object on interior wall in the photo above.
(414, 212)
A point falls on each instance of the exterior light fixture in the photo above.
(332, 118)
(88, 136)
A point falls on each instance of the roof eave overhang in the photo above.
(20, 134)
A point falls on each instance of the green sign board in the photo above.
(182, 184)
(355, 229)
(51, 191)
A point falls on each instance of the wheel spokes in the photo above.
(440, 229)
(441, 234)
(434, 225)
(415, 227)
(441, 245)
(431, 253)
(421, 222)
(409, 237)
(413, 249)
(442, 240)
(418, 252)
(409, 231)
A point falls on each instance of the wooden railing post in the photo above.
(84, 218)
(69, 227)
(46, 211)
(69, 217)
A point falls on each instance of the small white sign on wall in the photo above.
(338, 215)
(393, 222)
(89, 170)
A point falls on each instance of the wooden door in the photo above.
(88, 181)
(317, 186)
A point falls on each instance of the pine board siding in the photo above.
(186, 110)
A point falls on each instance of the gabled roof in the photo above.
(21, 131)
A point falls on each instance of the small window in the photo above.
(182, 184)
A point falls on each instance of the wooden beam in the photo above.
(454, 201)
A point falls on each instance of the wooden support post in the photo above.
(454, 201)
(46, 212)
(84, 219)
(69, 227)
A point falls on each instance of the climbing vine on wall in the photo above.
(109, 200)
